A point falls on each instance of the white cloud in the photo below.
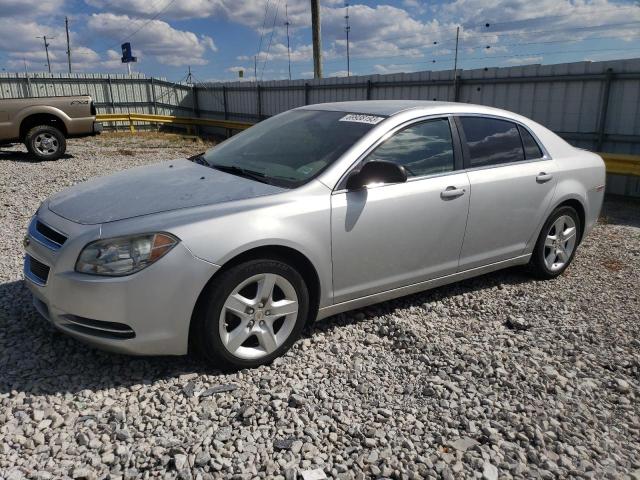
(525, 60)
(555, 17)
(156, 38)
(30, 8)
(245, 12)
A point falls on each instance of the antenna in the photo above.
(46, 49)
(347, 28)
(287, 23)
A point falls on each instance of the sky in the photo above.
(219, 38)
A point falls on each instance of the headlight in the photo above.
(124, 255)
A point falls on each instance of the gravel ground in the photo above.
(495, 377)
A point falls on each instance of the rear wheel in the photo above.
(252, 313)
(557, 243)
(45, 142)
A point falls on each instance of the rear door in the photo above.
(389, 236)
(512, 183)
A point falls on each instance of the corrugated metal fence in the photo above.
(594, 105)
(112, 93)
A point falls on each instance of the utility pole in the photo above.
(455, 66)
(287, 23)
(46, 49)
(317, 41)
(255, 68)
(347, 28)
(455, 61)
(66, 26)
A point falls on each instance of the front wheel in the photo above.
(251, 314)
(45, 142)
(557, 243)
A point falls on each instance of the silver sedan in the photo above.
(313, 212)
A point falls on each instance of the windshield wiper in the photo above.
(242, 172)
(199, 159)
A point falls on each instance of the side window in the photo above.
(492, 141)
(423, 149)
(531, 147)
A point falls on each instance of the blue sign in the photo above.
(127, 57)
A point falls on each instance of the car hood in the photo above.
(153, 189)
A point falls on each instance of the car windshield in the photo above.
(290, 149)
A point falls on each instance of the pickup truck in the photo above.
(44, 123)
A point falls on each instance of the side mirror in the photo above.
(376, 171)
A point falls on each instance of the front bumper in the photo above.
(147, 313)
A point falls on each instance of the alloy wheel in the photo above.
(258, 316)
(559, 243)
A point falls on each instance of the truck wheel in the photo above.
(45, 142)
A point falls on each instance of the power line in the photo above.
(495, 45)
(264, 22)
(171, 2)
(544, 17)
(503, 34)
(154, 17)
(273, 28)
(529, 54)
(603, 26)
(490, 57)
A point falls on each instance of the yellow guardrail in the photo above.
(618, 163)
(621, 163)
(131, 118)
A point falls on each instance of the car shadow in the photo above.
(26, 157)
(37, 358)
(509, 276)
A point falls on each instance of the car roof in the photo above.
(389, 108)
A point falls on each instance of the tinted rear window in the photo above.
(531, 148)
(491, 141)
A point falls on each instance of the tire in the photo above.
(542, 264)
(45, 142)
(235, 333)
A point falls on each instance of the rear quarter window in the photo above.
(531, 148)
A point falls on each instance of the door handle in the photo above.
(452, 192)
(543, 177)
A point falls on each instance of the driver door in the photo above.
(393, 235)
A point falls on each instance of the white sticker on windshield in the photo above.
(361, 118)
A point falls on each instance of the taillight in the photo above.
(93, 108)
